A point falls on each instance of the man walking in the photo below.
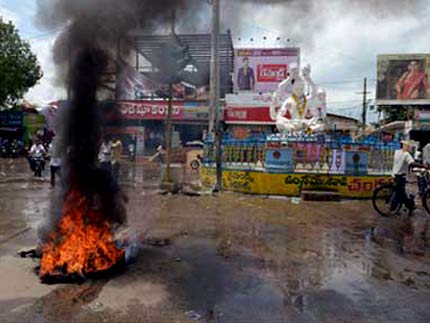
(54, 163)
(116, 158)
(403, 161)
(105, 155)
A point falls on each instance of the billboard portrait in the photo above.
(261, 70)
(403, 79)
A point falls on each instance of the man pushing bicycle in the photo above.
(403, 161)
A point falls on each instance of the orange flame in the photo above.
(83, 241)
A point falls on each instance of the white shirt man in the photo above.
(105, 155)
(402, 160)
(37, 150)
(55, 160)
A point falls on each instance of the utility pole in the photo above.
(168, 177)
(364, 112)
(363, 116)
(214, 124)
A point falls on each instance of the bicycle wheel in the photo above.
(426, 201)
(384, 200)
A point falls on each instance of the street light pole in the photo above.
(214, 118)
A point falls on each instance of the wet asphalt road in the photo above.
(232, 258)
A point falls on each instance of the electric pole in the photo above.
(363, 116)
(214, 124)
(364, 112)
(168, 177)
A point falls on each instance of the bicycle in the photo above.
(385, 200)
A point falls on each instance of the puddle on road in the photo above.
(253, 259)
(212, 284)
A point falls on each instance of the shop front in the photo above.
(143, 123)
(11, 125)
(419, 128)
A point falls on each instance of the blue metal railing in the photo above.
(310, 153)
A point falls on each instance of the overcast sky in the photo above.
(339, 38)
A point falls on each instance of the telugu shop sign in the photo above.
(150, 110)
(157, 110)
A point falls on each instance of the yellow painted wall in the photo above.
(255, 182)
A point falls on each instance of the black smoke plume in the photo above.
(84, 51)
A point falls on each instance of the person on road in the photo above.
(158, 156)
(402, 162)
(54, 163)
(37, 151)
(116, 158)
(105, 155)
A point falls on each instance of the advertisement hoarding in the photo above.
(403, 79)
(133, 85)
(261, 70)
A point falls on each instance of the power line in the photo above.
(345, 81)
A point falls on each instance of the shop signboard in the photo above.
(33, 122)
(196, 111)
(150, 110)
(403, 79)
(249, 99)
(421, 120)
(261, 70)
(11, 119)
(422, 115)
(157, 110)
(248, 115)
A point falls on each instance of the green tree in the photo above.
(19, 68)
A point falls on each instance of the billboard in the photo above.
(261, 70)
(133, 85)
(403, 79)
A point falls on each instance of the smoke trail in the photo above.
(103, 22)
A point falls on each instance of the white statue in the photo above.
(304, 109)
